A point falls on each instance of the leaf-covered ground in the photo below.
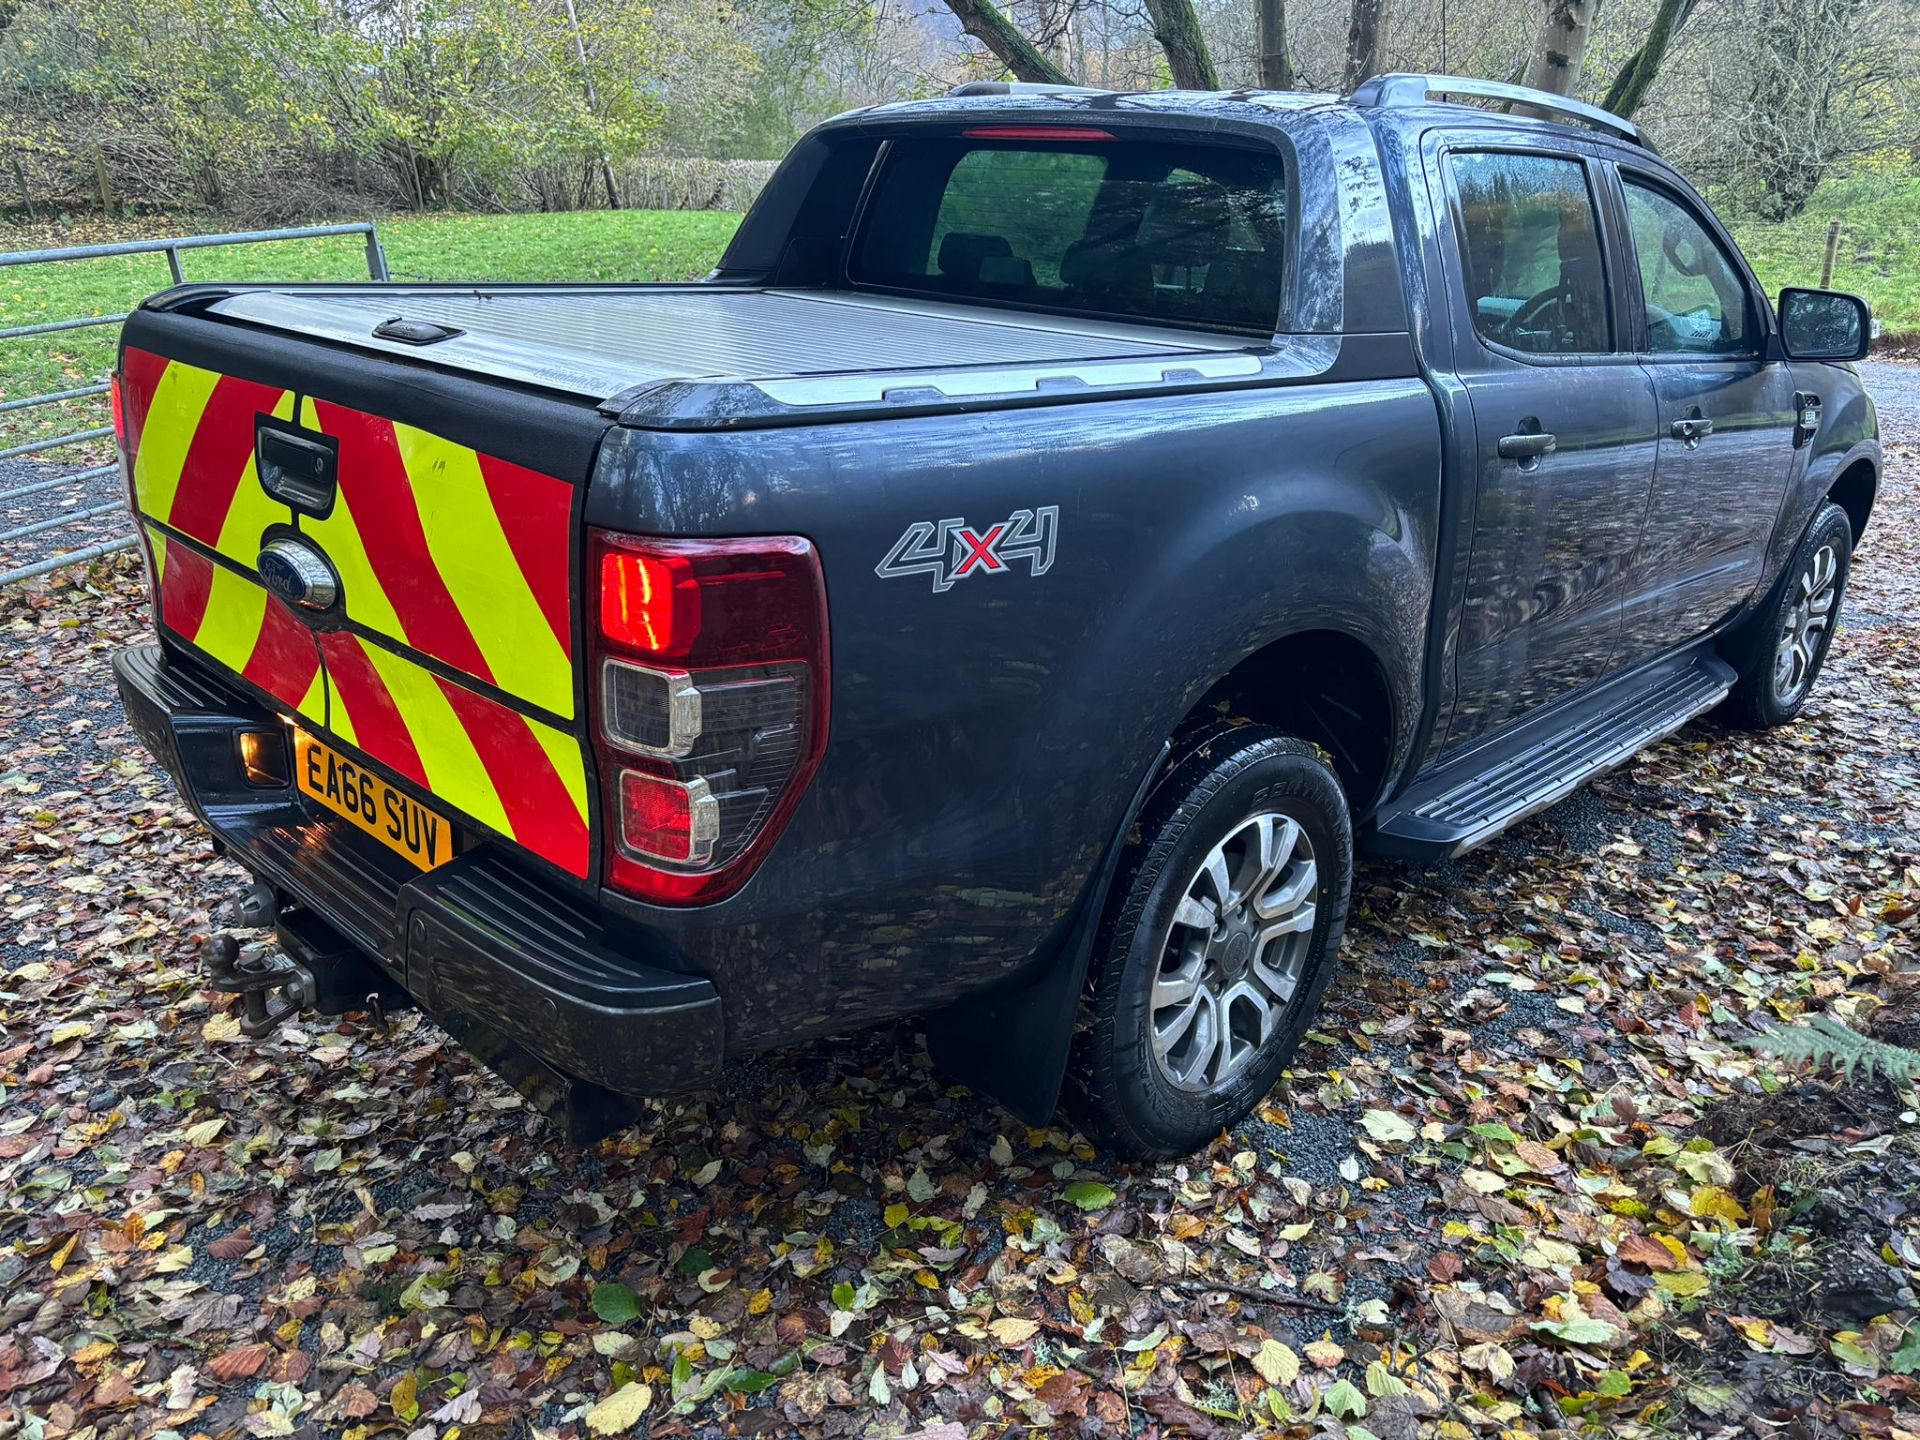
(1527, 1178)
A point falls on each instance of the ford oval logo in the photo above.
(298, 574)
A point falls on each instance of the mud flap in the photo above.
(1013, 1044)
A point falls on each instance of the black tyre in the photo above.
(1786, 642)
(1219, 939)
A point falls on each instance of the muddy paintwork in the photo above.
(990, 735)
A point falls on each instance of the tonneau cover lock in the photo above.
(415, 332)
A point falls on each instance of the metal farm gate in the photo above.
(95, 496)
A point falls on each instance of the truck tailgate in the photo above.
(448, 658)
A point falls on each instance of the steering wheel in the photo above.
(1532, 308)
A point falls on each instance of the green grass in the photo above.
(1879, 258)
(1879, 255)
(589, 245)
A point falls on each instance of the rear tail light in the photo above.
(119, 404)
(649, 603)
(125, 443)
(662, 819)
(116, 395)
(710, 704)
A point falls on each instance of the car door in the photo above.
(1564, 429)
(1726, 419)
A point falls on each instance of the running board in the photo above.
(1469, 800)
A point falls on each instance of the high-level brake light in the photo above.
(1034, 132)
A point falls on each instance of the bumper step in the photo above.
(1468, 801)
(564, 999)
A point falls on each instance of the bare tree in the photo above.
(983, 20)
(1636, 77)
(1175, 26)
(1363, 40)
(1053, 27)
(1818, 76)
(1276, 69)
(1177, 29)
(593, 101)
(1560, 45)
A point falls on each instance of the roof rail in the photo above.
(1023, 87)
(1395, 90)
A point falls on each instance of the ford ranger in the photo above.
(1065, 526)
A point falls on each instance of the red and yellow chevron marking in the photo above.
(461, 556)
(513, 774)
(236, 622)
(194, 467)
(457, 555)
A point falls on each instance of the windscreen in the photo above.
(1179, 233)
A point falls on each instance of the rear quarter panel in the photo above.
(986, 738)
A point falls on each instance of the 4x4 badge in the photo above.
(951, 550)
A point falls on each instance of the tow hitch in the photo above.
(311, 966)
(273, 985)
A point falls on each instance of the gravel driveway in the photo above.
(1489, 1199)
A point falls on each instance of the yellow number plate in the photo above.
(352, 791)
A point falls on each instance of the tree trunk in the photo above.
(1560, 46)
(1636, 77)
(1363, 41)
(593, 103)
(1276, 68)
(1177, 29)
(983, 20)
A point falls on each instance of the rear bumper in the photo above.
(502, 958)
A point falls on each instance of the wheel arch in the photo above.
(1324, 685)
(1854, 490)
(1013, 1043)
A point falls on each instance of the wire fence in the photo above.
(64, 518)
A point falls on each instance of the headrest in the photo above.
(962, 252)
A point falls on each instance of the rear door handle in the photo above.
(1527, 447)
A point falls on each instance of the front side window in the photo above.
(1696, 301)
(1189, 234)
(1532, 250)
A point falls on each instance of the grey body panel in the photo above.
(1548, 540)
(1714, 504)
(1540, 616)
(987, 739)
(1214, 493)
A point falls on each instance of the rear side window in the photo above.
(1179, 233)
(1532, 250)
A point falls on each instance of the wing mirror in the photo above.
(1824, 325)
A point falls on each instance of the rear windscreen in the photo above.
(1178, 233)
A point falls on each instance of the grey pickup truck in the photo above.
(1006, 591)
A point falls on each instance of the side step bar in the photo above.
(1469, 800)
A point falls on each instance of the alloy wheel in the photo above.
(1815, 599)
(1234, 953)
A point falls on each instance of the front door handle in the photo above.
(1528, 446)
(1691, 429)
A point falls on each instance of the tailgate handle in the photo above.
(299, 468)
